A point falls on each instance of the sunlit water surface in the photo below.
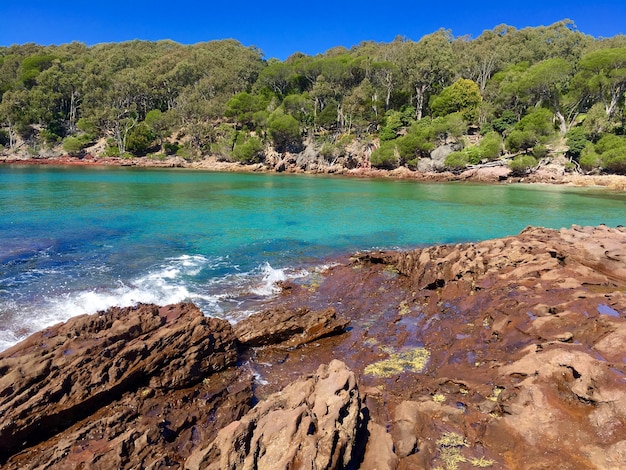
(79, 240)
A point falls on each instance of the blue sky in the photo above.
(284, 27)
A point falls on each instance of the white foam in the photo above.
(168, 283)
(270, 277)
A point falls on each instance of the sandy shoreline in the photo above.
(550, 175)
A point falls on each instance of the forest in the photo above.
(522, 93)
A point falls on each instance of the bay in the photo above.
(81, 239)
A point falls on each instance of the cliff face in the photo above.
(508, 353)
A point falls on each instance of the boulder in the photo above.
(311, 423)
(67, 372)
(288, 327)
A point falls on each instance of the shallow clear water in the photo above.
(77, 240)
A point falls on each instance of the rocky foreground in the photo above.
(509, 353)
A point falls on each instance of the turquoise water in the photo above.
(76, 240)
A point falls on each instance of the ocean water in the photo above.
(79, 240)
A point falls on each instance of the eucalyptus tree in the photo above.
(603, 72)
(427, 66)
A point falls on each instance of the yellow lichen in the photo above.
(439, 398)
(496, 393)
(403, 308)
(414, 360)
(450, 445)
(482, 462)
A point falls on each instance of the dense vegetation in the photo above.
(525, 92)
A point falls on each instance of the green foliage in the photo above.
(504, 122)
(4, 138)
(540, 151)
(545, 75)
(385, 156)
(140, 139)
(576, 142)
(171, 148)
(539, 122)
(490, 146)
(521, 164)
(456, 160)
(247, 149)
(519, 140)
(462, 96)
(284, 131)
(243, 107)
(393, 123)
(73, 146)
(589, 159)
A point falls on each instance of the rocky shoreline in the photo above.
(549, 174)
(508, 353)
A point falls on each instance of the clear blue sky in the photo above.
(284, 27)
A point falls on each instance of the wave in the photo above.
(215, 284)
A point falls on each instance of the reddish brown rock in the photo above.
(311, 423)
(507, 353)
(65, 373)
(287, 327)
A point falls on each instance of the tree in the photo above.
(427, 66)
(462, 96)
(604, 73)
(284, 131)
(545, 83)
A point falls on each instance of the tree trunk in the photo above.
(420, 95)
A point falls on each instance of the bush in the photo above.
(490, 146)
(73, 146)
(614, 160)
(248, 149)
(519, 140)
(521, 164)
(456, 161)
(170, 148)
(139, 139)
(576, 142)
(284, 131)
(589, 159)
(540, 122)
(385, 156)
(4, 138)
(540, 151)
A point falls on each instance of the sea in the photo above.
(77, 240)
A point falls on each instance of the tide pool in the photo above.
(79, 240)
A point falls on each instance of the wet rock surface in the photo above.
(508, 353)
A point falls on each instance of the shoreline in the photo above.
(443, 353)
(491, 175)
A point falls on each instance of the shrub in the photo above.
(521, 164)
(170, 148)
(519, 140)
(4, 138)
(73, 146)
(589, 159)
(540, 151)
(490, 146)
(139, 139)
(385, 156)
(614, 160)
(284, 131)
(456, 161)
(248, 149)
(576, 142)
